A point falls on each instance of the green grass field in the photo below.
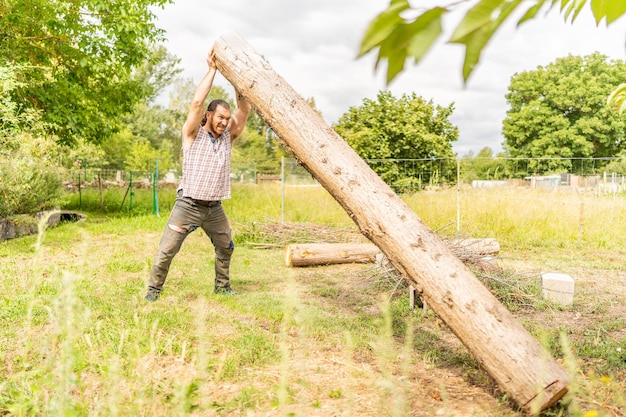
(77, 338)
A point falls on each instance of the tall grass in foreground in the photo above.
(78, 339)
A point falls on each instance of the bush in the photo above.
(28, 186)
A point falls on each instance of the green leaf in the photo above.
(412, 39)
(475, 41)
(578, 9)
(531, 12)
(611, 9)
(426, 29)
(395, 65)
(617, 98)
(574, 8)
(598, 7)
(614, 10)
(382, 26)
(474, 45)
(391, 45)
(476, 18)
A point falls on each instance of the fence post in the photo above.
(131, 192)
(100, 190)
(458, 196)
(155, 192)
(282, 189)
(80, 193)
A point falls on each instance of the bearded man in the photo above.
(207, 138)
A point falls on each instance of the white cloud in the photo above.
(313, 46)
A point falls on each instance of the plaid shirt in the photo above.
(206, 167)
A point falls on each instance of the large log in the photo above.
(506, 350)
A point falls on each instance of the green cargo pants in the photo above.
(186, 216)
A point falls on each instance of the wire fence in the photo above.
(403, 175)
(413, 175)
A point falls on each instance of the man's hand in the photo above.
(210, 59)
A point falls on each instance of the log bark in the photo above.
(309, 254)
(507, 351)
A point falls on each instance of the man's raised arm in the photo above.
(238, 121)
(196, 109)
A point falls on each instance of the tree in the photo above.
(157, 72)
(559, 111)
(401, 32)
(252, 148)
(408, 127)
(76, 60)
(617, 166)
(149, 132)
(29, 178)
(483, 166)
(143, 156)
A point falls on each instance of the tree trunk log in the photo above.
(509, 353)
(309, 254)
(330, 253)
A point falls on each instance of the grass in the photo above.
(78, 339)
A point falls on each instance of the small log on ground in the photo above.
(485, 246)
(508, 352)
(311, 254)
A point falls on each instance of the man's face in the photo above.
(218, 120)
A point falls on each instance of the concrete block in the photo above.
(558, 288)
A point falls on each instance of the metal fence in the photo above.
(412, 175)
(403, 175)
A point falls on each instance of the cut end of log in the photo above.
(288, 256)
(547, 398)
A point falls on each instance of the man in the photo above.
(207, 142)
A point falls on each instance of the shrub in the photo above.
(28, 185)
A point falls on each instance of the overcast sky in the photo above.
(313, 45)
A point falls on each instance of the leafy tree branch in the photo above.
(398, 38)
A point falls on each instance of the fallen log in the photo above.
(311, 254)
(486, 246)
(506, 350)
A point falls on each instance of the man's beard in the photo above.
(216, 129)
